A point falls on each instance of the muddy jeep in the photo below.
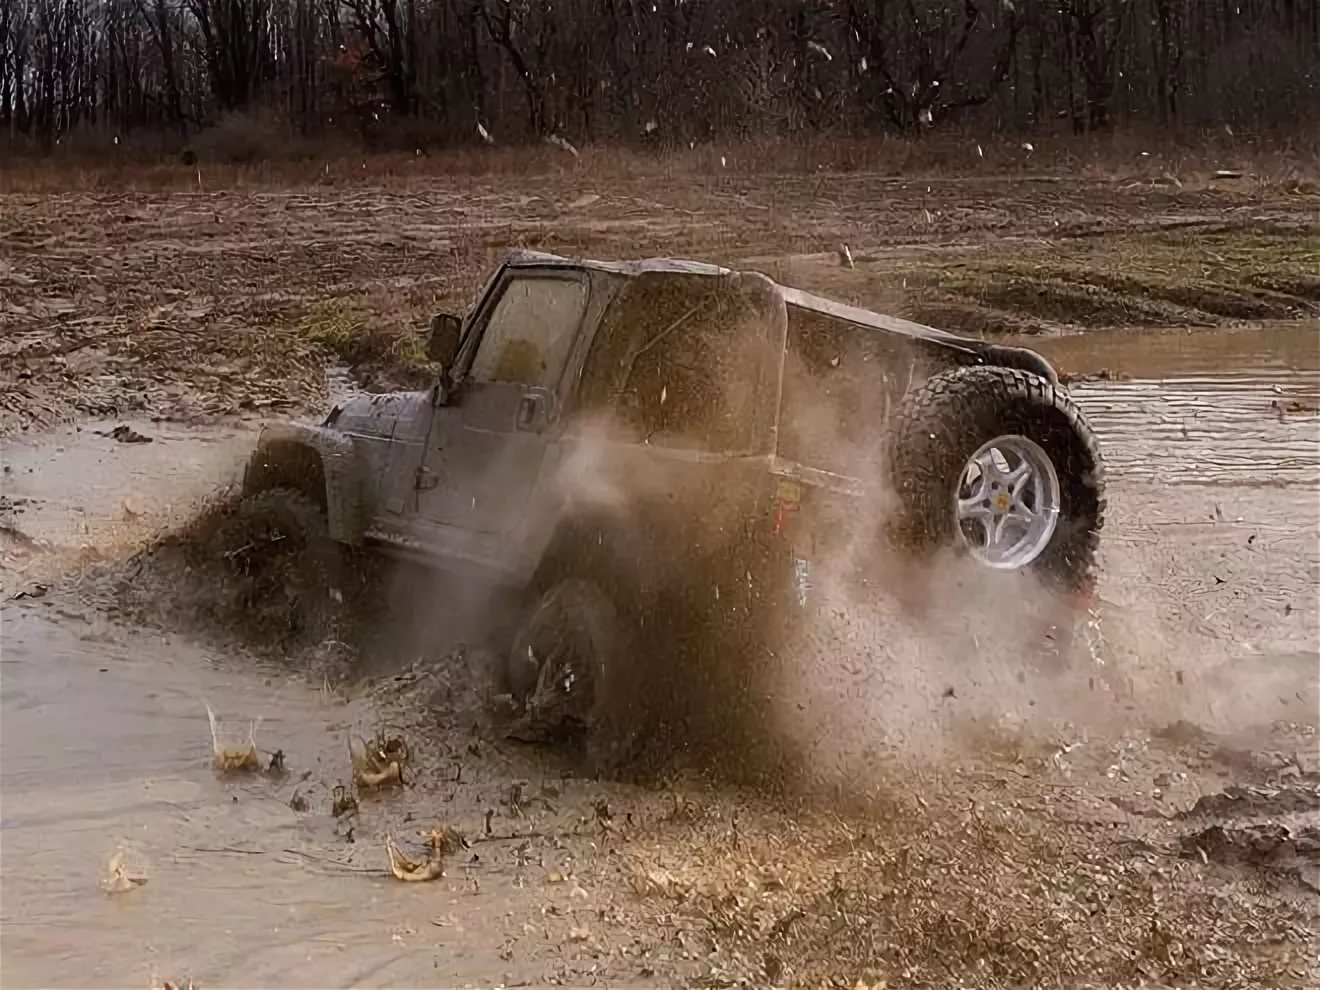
(661, 455)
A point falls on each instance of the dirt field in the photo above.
(185, 303)
(1152, 819)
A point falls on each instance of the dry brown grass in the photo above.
(254, 159)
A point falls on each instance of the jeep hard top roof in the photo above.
(864, 318)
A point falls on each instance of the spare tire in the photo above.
(1001, 464)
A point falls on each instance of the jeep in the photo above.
(659, 455)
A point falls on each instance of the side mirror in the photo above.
(446, 334)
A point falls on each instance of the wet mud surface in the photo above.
(1147, 818)
(1198, 786)
(217, 302)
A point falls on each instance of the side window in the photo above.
(530, 331)
(680, 364)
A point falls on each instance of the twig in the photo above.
(335, 862)
(227, 849)
(522, 835)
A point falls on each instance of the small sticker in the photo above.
(801, 579)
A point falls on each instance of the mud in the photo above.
(1207, 614)
(231, 301)
(1054, 839)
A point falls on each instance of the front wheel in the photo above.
(1001, 464)
(286, 572)
(558, 669)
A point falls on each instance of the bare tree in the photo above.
(650, 70)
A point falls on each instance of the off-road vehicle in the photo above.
(660, 455)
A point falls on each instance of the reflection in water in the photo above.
(1202, 407)
(1211, 439)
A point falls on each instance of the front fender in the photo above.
(322, 464)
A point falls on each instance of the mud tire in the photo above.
(942, 422)
(290, 570)
(560, 664)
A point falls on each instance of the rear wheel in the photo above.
(1002, 465)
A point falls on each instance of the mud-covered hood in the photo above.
(389, 415)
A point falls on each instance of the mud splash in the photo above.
(107, 747)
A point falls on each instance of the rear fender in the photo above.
(320, 463)
(1022, 359)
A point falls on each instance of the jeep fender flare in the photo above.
(1020, 359)
(321, 464)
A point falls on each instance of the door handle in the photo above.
(527, 412)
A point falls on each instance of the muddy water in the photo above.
(106, 746)
(1211, 553)
(1211, 568)
(76, 494)
(1197, 408)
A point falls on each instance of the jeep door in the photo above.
(485, 450)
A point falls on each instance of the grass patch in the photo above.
(1184, 277)
(377, 347)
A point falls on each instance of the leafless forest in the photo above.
(432, 73)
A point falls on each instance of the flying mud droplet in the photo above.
(380, 762)
(234, 753)
(428, 863)
(121, 877)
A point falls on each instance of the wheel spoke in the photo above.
(990, 473)
(973, 507)
(1019, 478)
(1009, 488)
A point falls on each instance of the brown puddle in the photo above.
(81, 493)
(1211, 548)
(1202, 407)
(107, 748)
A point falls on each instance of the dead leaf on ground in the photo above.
(430, 864)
